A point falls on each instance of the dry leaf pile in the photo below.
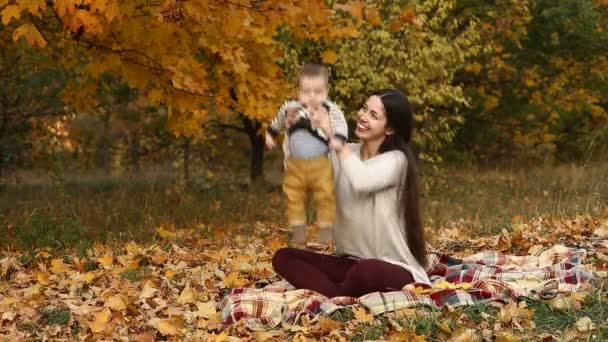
(169, 290)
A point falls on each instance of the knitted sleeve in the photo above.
(277, 125)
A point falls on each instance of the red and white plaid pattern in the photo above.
(478, 278)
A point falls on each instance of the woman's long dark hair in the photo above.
(399, 117)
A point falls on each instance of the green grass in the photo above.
(476, 312)
(551, 320)
(135, 275)
(486, 200)
(75, 210)
(55, 316)
(370, 330)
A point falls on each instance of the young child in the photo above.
(307, 166)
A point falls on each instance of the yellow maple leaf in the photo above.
(43, 278)
(106, 260)
(373, 16)
(33, 6)
(101, 321)
(357, 10)
(506, 337)
(98, 5)
(167, 327)
(233, 280)
(9, 12)
(89, 21)
(92, 276)
(31, 291)
(148, 291)
(165, 233)
(64, 6)
(362, 316)
(328, 324)
(58, 266)
(115, 303)
(30, 33)
(206, 310)
(112, 10)
(329, 56)
(188, 295)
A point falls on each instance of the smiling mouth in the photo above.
(362, 127)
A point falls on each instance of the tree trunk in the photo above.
(252, 128)
(106, 144)
(186, 148)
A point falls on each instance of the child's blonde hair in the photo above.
(314, 70)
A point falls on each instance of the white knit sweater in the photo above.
(368, 224)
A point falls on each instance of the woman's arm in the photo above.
(383, 171)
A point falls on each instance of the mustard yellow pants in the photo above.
(309, 176)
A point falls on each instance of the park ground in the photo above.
(143, 257)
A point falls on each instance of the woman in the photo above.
(378, 233)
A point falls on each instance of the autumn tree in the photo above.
(185, 56)
(29, 93)
(539, 88)
(415, 46)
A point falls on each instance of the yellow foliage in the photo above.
(30, 33)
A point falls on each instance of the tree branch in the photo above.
(218, 124)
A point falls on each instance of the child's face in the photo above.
(312, 91)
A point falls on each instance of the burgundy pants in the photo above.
(334, 276)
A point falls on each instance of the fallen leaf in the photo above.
(43, 278)
(107, 260)
(165, 234)
(101, 321)
(115, 303)
(328, 324)
(188, 295)
(58, 266)
(206, 310)
(466, 336)
(361, 315)
(585, 324)
(166, 327)
(148, 291)
(506, 337)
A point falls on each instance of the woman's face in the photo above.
(371, 120)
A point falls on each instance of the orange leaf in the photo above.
(33, 6)
(58, 266)
(9, 12)
(167, 328)
(43, 278)
(329, 57)
(64, 6)
(30, 33)
(101, 321)
(112, 10)
(89, 21)
(98, 5)
(357, 10)
(106, 260)
(361, 315)
(115, 303)
(373, 16)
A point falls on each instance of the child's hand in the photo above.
(270, 143)
(319, 117)
(291, 116)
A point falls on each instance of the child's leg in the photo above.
(294, 187)
(324, 195)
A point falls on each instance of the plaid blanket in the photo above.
(478, 278)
